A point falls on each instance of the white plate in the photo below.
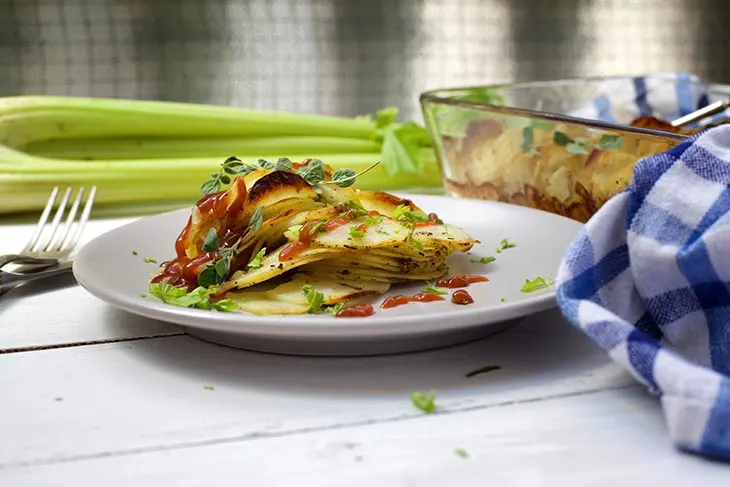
(107, 268)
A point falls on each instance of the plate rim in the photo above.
(316, 325)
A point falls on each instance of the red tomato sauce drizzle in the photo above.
(183, 270)
(460, 281)
(399, 300)
(306, 235)
(460, 296)
(356, 311)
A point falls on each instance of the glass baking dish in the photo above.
(562, 146)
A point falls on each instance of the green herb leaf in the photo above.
(209, 388)
(207, 276)
(483, 370)
(222, 267)
(461, 452)
(211, 186)
(610, 142)
(198, 298)
(258, 259)
(503, 300)
(374, 220)
(561, 139)
(505, 244)
(336, 308)
(400, 211)
(536, 284)
(134, 252)
(284, 164)
(314, 297)
(344, 177)
(424, 402)
(257, 219)
(528, 138)
(226, 305)
(433, 290)
(412, 240)
(211, 242)
(484, 260)
(576, 148)
(317, 228)
(149, 260)
(355, 233)
(313, 173)
(266, 164)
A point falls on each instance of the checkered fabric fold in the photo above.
(648, 279)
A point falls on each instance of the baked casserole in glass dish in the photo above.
(564, 146)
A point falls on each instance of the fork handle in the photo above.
(21, 259)
(9, 280)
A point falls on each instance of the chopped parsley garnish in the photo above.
(424, 402)
(150, 260)
(318, 228)
(412, 240)
(209, 388)
(381, 231)
(461, 452)
(374, 220)
(610, 142)
(571, 145)
(134, 252)
(528, 139)
(258, 259)
(505, 244)
(503, 300)
(483, 370)
(404, 213)
(433, 290)
(257, 219)
(335, 308)
(314, 297)
(536, 284)
(198, 298)
(355, 233)
(484, 260)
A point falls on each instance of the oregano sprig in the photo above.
(216, 271)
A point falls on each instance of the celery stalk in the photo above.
(138, 147)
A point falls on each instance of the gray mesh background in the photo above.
(343, 57)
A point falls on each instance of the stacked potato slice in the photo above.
(379, 240)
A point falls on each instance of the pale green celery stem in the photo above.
(26, 182)
(28, 119)
(189, 147)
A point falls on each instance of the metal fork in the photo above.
(53, 242)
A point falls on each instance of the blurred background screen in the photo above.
(343, 57)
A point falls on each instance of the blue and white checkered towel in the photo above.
(648, 279)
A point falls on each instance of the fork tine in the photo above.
(66, 238)
(41, 221)
(57, 219)
(82, 221)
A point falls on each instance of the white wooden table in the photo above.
(93, 396)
